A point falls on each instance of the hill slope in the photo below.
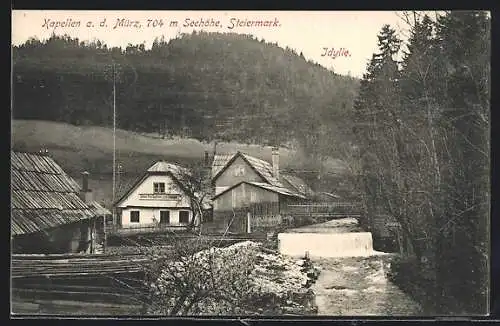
(80, 148)
(206, 85)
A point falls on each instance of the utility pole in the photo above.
(114, 164)
(105, 233)
(114, 130)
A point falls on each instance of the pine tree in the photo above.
(419, 60)
(374, 113)
(464, 39)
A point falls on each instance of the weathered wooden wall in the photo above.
(243, 196)
(262, 216)
(69, 238)
(229, 177)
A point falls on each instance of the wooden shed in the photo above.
(250, 205)
(49, 213)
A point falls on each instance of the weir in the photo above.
(326, 244)
(336, 238)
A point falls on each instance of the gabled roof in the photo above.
(264, 169)
(43, 196)
(297, 184)
(266, 186)
(220, 161)
(98, 209)
(165, 167)
(329, 194)
(279, 190)
(177, 172)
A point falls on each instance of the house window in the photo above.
(164, 217)
(159, 187)
(184, 217)
(134, 217)
(235, 199)
(239, 171)
(253, 196)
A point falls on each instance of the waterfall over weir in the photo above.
(326, 244)
(330, 239)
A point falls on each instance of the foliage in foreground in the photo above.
(241, 279)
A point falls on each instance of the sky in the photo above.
(351, 34)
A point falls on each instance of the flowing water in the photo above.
(353, 279)
(358, 286)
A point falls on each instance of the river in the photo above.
(358, 286)
(353, 279)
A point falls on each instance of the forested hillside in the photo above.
(203, 85)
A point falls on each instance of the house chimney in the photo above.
(86, 193)
(206, 159)
(85, 181)
(276, 162)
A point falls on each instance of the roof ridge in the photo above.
(53, 209)
(227, 153)
(254, 157)
(38, 190)
(39, 172)
(30, 153)
(276, 187)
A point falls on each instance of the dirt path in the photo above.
(358, 287)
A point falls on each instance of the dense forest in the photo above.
(423, 130)
(208, 86)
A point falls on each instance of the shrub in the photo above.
(411, 277)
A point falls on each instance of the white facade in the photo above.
(146, 202)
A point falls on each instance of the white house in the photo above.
(159, 198)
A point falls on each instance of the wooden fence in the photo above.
(262, 221)
(325, 209)
(265, 216)
(158, 228)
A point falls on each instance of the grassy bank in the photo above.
(91, 147)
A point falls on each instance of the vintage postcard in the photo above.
(250, 163)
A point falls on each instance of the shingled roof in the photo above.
(43, 196)
(293, 184)
(263, 168)
(297, 184)
(279, 190)
(166, 167)
(178, 173)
